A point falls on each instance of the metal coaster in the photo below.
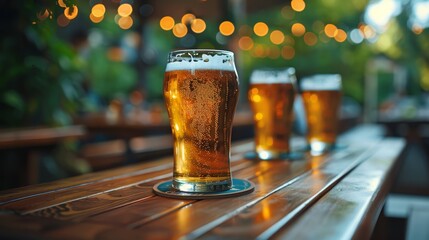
(292, 156)
(239, 187)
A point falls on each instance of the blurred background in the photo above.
(81, 81)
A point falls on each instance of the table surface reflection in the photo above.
(337, 195)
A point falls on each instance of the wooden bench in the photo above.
(335, 196)
(108, 154)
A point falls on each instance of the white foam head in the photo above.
(200, 59)
(271, 76)
(321, 82)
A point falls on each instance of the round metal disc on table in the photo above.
(292, 156)
(239, 187)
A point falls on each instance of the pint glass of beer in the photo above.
(201, 94)
(271, 95)
(321, 96)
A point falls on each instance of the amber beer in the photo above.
(271, 95)
(201, 93)
(322, 98)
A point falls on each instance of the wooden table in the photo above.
(334, 196)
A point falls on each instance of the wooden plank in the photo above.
(68, 184)
(272, 177)
(272, 212)
(351, 208)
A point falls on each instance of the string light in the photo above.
(198, 25)
(98, 10)
(166, 23)
(226, 28)
(125, 10)
(71, 12)
(260, 29)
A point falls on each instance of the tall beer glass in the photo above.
(201, 94)
(271, 96)
(322, 100)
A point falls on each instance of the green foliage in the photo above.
(40, 81)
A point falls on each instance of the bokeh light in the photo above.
(310, 38)
(298, 29)
(245, 43)
(71, 12)
(188, 18)
(42, 15)
(287, 12)
(62, 21)
(61, 3)
(226, 28)
(298, 5)
(125, 22)
(260, 29)
(341, 35)
(356, 36)
(277, 37)
(166, 23)
(180, 30)
(330, 30)
(198, 25)
(95, 19)
(125, 10)
(98, 10)
(288, 52)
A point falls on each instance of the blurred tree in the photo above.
(40, 82)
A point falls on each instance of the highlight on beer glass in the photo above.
(271, 95)
(201, 94)
(321, 96)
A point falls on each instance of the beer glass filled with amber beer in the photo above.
(271, 95)
(201, 93)
(321, 96)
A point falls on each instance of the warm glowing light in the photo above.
(288, 52)
(298, 5)
(71, 12)
(125, 10)
(417, 29)
(260, 29)
(245, 43)
(259, 51)
(188, 18)
(125, 22)
(61, 3)
(166, 23)
(310, 38)
(298, 29)
(62, 20)
(180, 30)
(42, 15)
(368, 31)
(95, 19)
(98, 10)
(277, 37)
(226, 28)
(330, 30)
(198, 25)
(341, 35)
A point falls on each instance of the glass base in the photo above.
(202, 187)
(270, 155)
(319, 148)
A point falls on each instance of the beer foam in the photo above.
(187, 62)
(321, 82)
(271, 76)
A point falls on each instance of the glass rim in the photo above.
(201, 50)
